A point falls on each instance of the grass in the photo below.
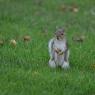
(24, 69)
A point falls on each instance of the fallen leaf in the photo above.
(13, 42)
(78, 38)
(27, 38)
(74, 8)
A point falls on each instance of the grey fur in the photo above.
(60, 58)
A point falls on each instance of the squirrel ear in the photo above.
(59, 29)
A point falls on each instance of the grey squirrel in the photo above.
(58, 50)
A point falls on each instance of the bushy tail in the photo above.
(50, 47)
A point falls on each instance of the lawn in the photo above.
(24, 68)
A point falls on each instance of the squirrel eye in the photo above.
(62, 34)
